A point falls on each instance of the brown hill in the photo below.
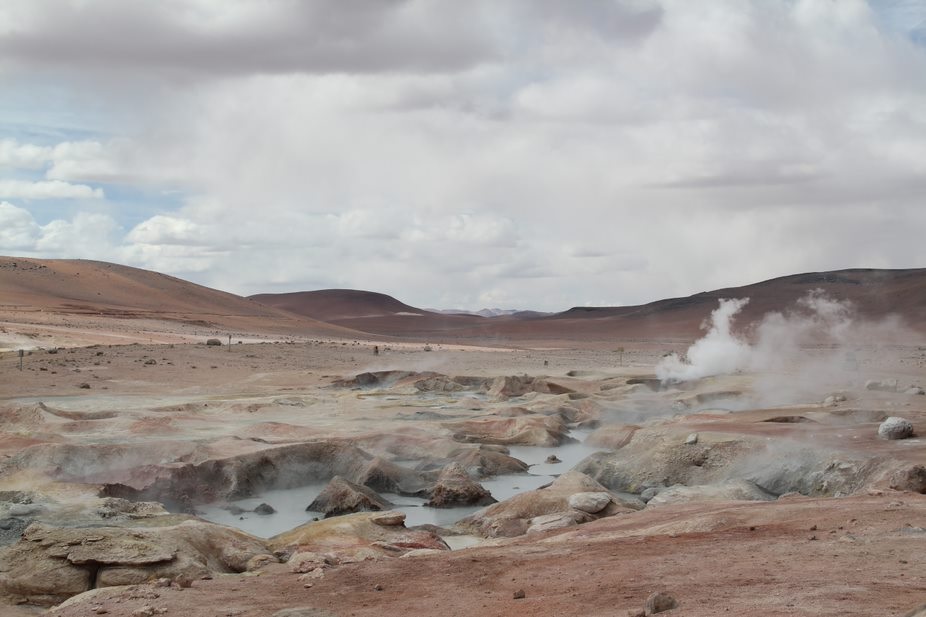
(93, 288)
(874, 293)
(338, 304)
(372, 312)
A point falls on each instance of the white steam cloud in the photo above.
(718, 352)
(814, 337)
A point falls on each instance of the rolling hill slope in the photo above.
(81, 287)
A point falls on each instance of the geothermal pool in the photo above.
(290, 503)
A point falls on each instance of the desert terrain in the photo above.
(362, 457)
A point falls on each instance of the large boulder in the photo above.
(911, 478)
(342, 496)
(454, 488)
(895, 428)
(592, 502)
(487, 460)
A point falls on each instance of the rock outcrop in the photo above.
(548, 507)
(529, 430)
(454, 488)
(731, 490)
(50, 564)
(356, 537)
(657, 456)
(342, 496)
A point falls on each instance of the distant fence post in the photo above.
(21, 354)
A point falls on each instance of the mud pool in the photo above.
(290, 504)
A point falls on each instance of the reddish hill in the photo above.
(338, 304)
(875, 294)
(81, 287)
(371, 312)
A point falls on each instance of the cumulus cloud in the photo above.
(18, 230)
(47, 189)
(86, 235)
(23, 156)
(167, 230)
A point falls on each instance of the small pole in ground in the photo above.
(21, 354)
(229, 343)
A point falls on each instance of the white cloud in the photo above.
(86, 235)
(47, 189)
(23, 156)
(523, 152)
(167, 230)
(18, 230)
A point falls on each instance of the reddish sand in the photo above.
(859, 556)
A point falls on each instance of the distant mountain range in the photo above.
(491, 312)
(92, 288)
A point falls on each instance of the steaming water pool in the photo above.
(290, 503)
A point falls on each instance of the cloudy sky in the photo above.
(515, 153)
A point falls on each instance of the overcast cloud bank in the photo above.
(531, 154)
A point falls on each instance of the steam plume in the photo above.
(718, 352)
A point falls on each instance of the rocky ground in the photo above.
(767, 494)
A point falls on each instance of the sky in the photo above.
(532, 154)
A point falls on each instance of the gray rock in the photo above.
(591, 502)
(910, 479)
(454, 488)
(833, 400)
(691, 439)
(264, 508)
(895, 428)
(649, 493)
(659, 602)
(341, 496)
(915, 390)
(558, 520)
(882, 385)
